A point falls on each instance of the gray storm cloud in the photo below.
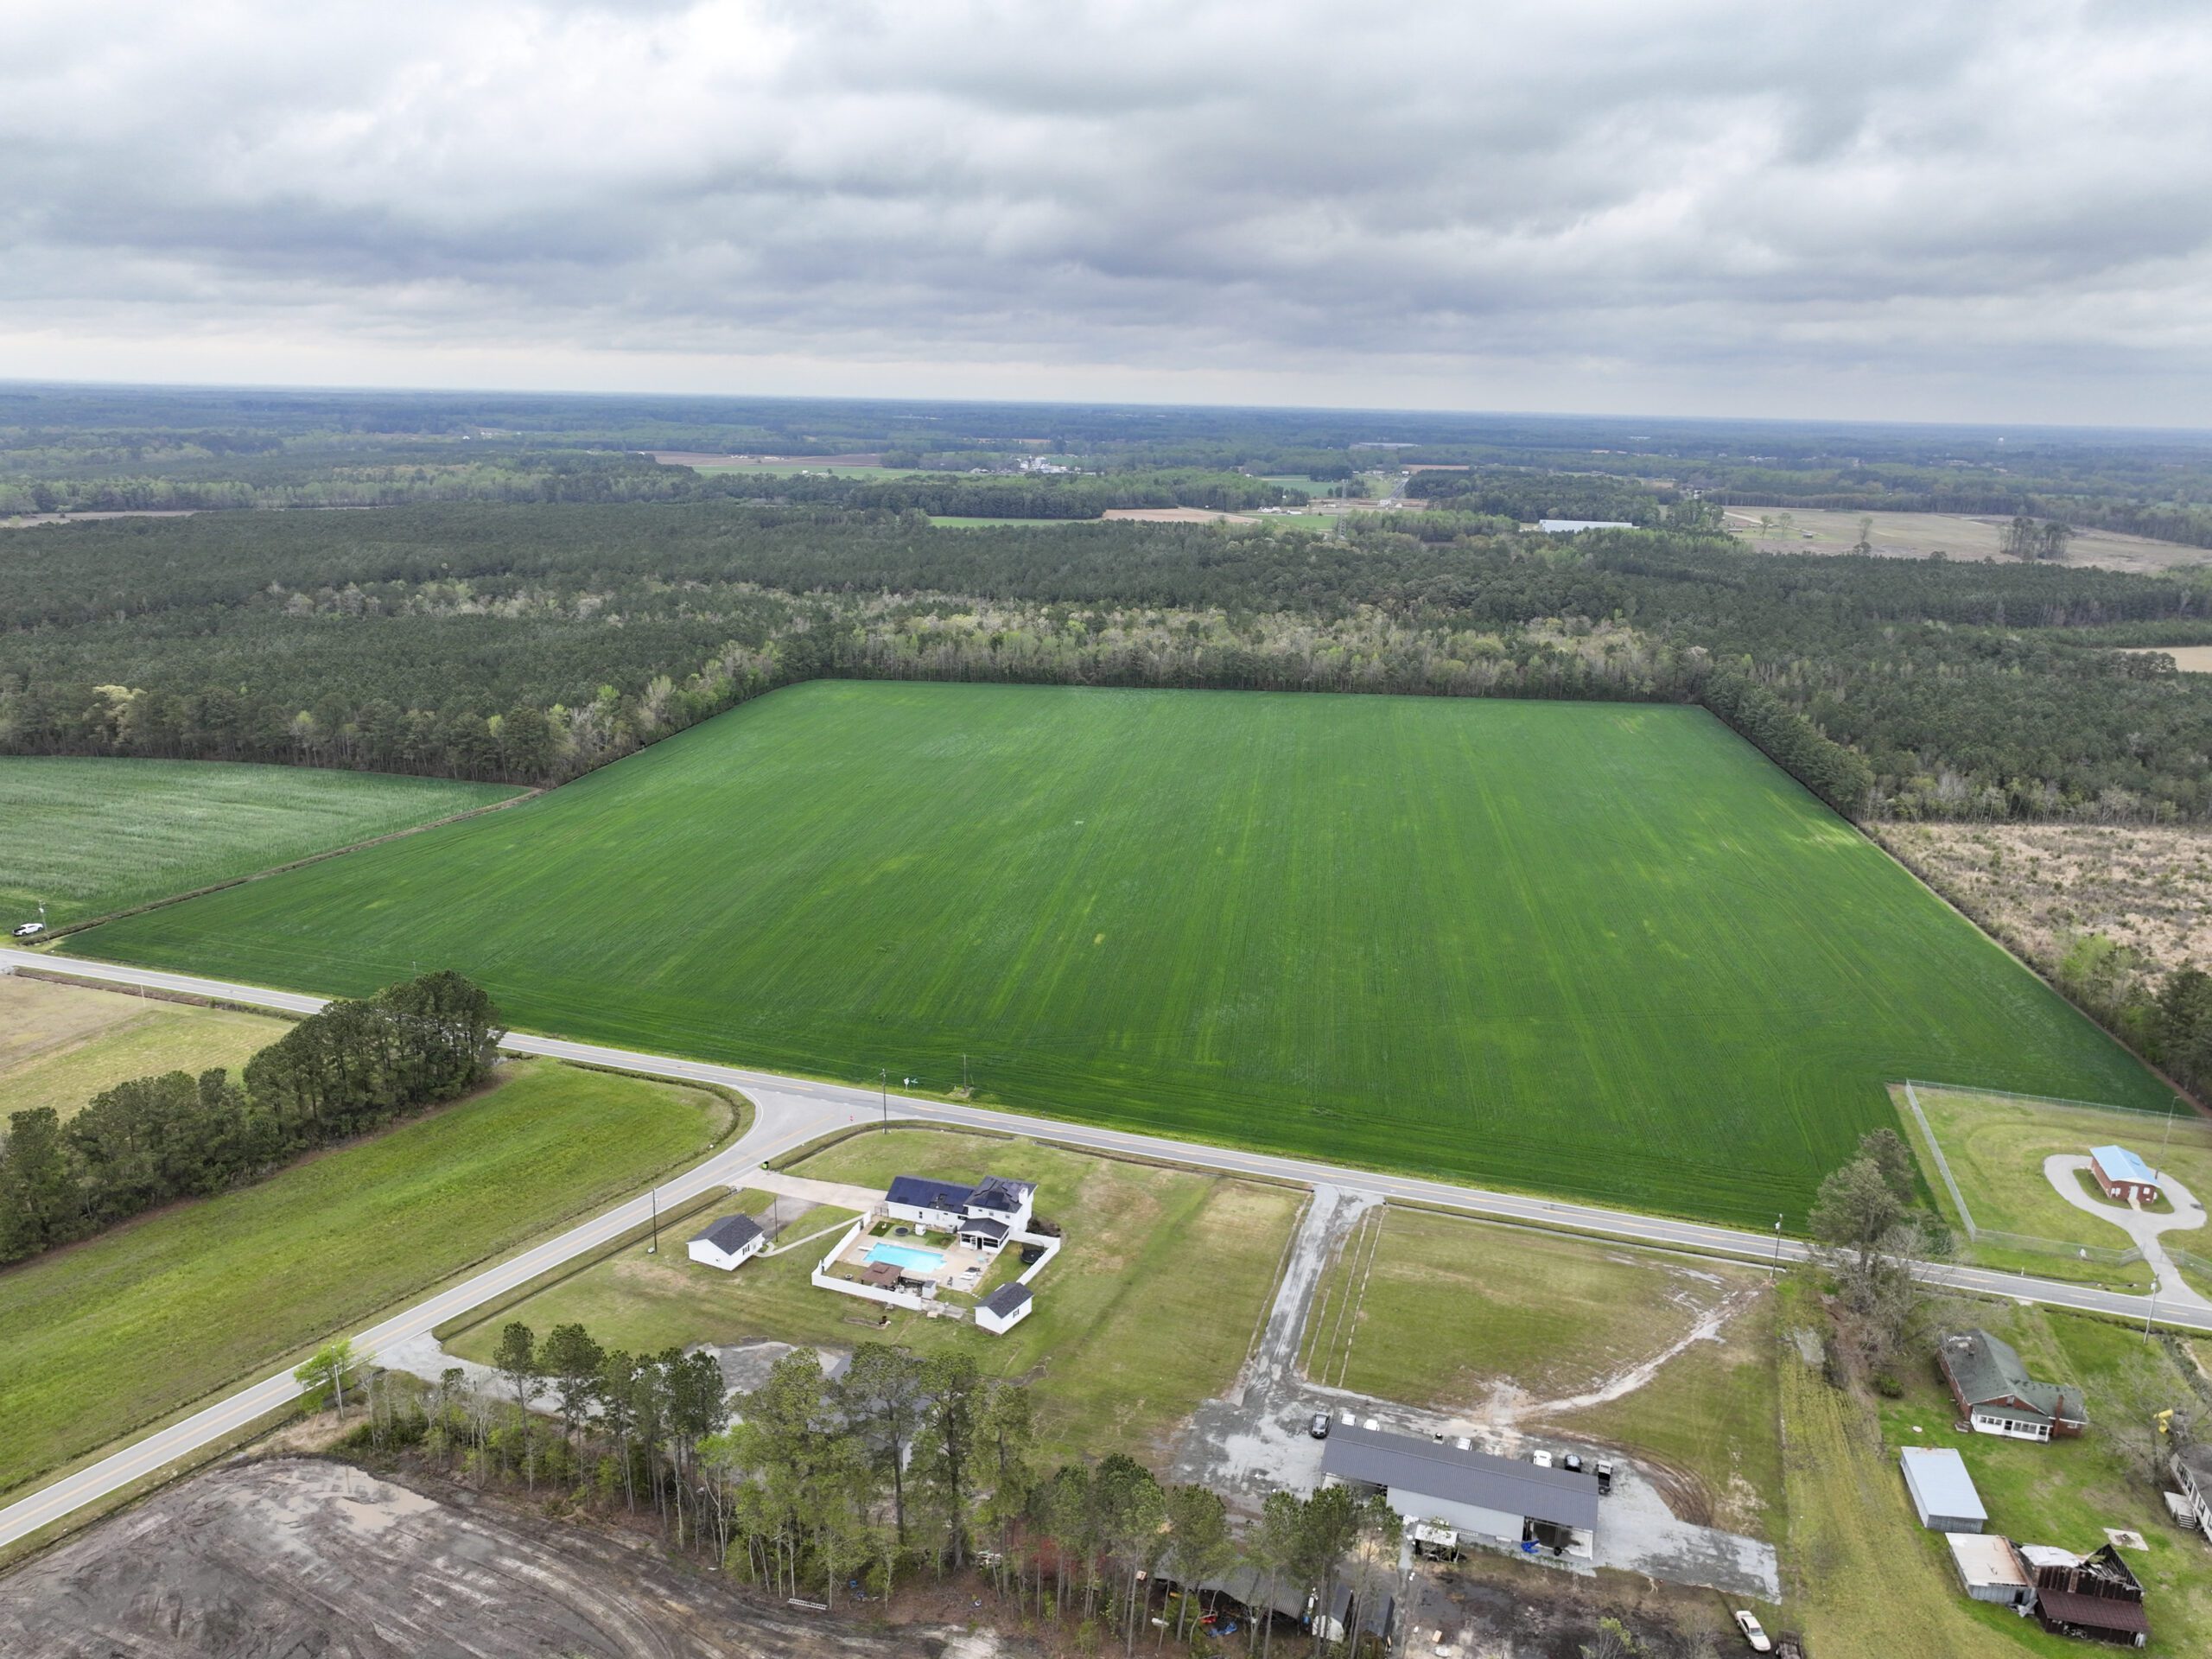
(1928, 209)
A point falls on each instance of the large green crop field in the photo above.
(85, 837)
(1599, 949)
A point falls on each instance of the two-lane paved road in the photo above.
(792, 1110)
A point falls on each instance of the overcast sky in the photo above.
(1906, 209)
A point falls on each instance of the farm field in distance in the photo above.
(60, 1045)
(1956, 535)
(85, 837)
(115, 1332)
(1600, 950)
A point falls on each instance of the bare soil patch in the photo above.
(2190, 659)
(290, 1555)
(2038, 887)
(1178, 516)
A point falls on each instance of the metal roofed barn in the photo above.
(1943, 1492)
(1508, 1503)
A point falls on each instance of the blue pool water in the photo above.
(906, 1256)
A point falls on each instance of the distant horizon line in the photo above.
(396, 389)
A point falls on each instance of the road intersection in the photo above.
(791, 1111)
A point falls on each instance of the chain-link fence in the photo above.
(2102, 1254)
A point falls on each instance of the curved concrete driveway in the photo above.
(2062, 1169)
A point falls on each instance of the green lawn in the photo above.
(1148, 1309)
(1996, 1148)
(1446, 1312)
(1595, 949)
(118, 1331)
(85, 837)
(60, 1045)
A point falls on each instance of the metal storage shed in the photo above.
(1990, 1569)
(1942, 1492)
(1493, 1500)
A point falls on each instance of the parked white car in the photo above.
(30, 930)
(1753, 1634)
(1541, 1460)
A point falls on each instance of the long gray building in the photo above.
(1486, 1500)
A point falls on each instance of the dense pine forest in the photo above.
(530, 642)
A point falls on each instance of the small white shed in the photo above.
(1004, 1308)
(732, 1240)
(1942, 1492)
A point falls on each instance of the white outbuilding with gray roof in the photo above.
(1943, 1492)
(728, 1242)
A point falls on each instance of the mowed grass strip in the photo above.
(1606, 951)
(87, 837)
(1147, 1311)
(107, 1336)
(60, 1045)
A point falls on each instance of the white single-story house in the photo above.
(2123, 1175)
(1943, 1492)
(1576, 526)
(1004, 1308)
(732, 1240)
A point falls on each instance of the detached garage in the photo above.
(1942, 1492)
(732, 1240)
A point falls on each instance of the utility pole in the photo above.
(2165, 1137)
(883, 1078)
(654, 1248)
(1774, 1271)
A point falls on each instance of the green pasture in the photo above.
(60, 1045)
(88, 837)
(114, 1334)
(1602, 950)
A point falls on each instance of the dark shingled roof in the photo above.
(1007, 1299)
(1429, 1469)
(984, 1228)
(927, 1192)
(1000, 1194)
(730, 1235)
(1987, 1369)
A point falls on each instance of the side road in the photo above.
(792, 1110)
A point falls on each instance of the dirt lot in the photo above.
(300, 1556)
(1177, 516)
(1917, 535)
(2037, 886)
(2190, 659)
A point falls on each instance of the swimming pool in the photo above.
(906, 1256)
